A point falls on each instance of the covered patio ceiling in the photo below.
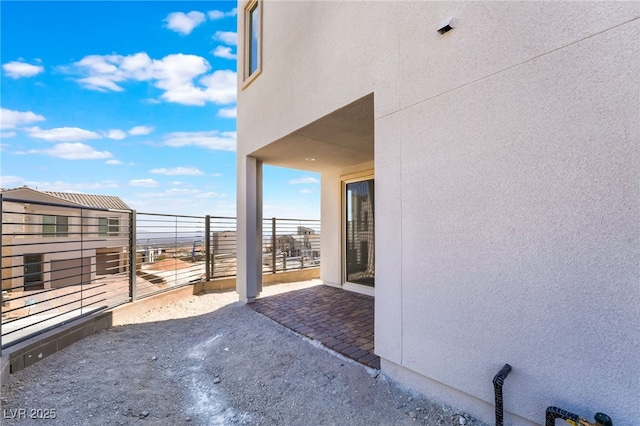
(338, 140)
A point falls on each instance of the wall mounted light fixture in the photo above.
(446, 25)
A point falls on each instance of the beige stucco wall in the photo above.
(298, 86)
(507, 194)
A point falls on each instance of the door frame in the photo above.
(344, 180)
(27, 277)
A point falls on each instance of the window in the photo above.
(252, 40)
(55, 226)
(108, 226)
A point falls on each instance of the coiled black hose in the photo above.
(554, 413)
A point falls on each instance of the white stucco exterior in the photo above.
(506, 167)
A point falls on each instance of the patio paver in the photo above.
(340, 320)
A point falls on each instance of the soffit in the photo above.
(338, 140)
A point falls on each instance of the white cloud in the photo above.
(104, 71)
(184, 23)
(113, 162)
(228, 112)
(227, 37)
(182, 194)
(60, 186)
(304, 180)
(215, 14)
(140, 130)
(220, 87)
(176, 171)
(10, 119)
(180, 191)
(224, 52)
(174, 74)
(210, 195)
(19, 69)
(225, 141)
(147, 183)
(115, 134)
(101, 83)
(62, 134)
(307, 191)
(218, 14)
(73, 151)
(7, 134)
(11, 181)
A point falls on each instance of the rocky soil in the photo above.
(209, 360)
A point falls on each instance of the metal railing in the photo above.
(290, 244)
(61, 262)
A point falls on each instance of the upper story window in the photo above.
(252, 40)
(55, 226)
(108, 226)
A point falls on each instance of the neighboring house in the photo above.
(305, 243)
(505, 154)
(57, 239)
(224, 242)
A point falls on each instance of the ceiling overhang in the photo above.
(336, 141)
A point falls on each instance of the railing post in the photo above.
(132, 255)
(273, 245)
(301, 259)
(207, 250)
(284, 260)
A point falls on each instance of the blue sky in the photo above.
(134, 99)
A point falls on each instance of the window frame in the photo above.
(365, 175)
(60, 227)
(249, 8)
(106, 226)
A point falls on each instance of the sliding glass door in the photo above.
(359, 232)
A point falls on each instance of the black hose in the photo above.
(498, 381)
(554, 413)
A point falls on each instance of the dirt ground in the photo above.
(169, 265)
(209, 360)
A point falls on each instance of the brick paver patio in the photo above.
(341, 320)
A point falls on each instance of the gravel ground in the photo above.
(209, 360)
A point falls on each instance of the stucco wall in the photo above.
(507, 193)
(306, 48)
(520, 230)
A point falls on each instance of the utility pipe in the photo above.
(498, 381)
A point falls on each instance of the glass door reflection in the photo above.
(360, 247)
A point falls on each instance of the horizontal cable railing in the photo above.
(290, 244)
(222, 237)
(59, 263)
(170, 251)
(62, 262)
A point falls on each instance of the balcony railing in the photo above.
(61, 262)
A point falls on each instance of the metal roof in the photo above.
(90, 200)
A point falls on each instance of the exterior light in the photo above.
(310, 159)
(446, 25)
